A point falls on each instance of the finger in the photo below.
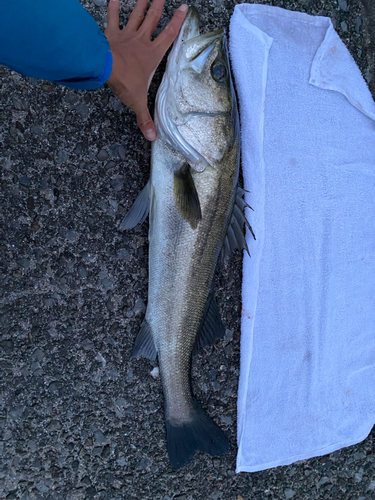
(137, 15)
(145, 123)
(113, 15)
(170, 32)
(153, 17)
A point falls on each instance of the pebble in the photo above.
(228, 337)
(358, 24)
(121, 152)
(144, 463)
(114, 328)
(72, 235)
(25, 181)
(78, 149)
(49, 302)
(343, 4)
(155, 372)
(38, 354)
(113, 204)
(117, 104)
(371, 486)
(121, 461)
(19, 103)
(116, 183)
(82, 271)
(139, 306)
(24, 262)
(215, 495)
(344, 26)
(123, 254)
(129, 375)
(7, 345)
(30, 203)
(71, 98)
(42, 487)
(289, 493)
(87, 344)
(108, 285)
(226, 419)
(82, 110)
(358, 476)
(359, 455)
(54, 387)
(103, 205)
(100, 3)
(36, 130)
(62, 156)
(113, 150)
(111, 164)
(100, 437)
(102, 155)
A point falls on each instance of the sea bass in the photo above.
(195, 212)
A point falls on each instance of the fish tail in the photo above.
(201, 433)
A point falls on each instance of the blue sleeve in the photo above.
(54, 40)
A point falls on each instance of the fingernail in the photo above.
(183, 7)
(150, 134)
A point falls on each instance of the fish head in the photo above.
(196, 109)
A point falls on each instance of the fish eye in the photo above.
(219, 71)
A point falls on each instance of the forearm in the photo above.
(55, 40)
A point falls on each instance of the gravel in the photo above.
(79, 418)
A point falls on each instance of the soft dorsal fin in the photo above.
(186, 196)
(144, 343)
(235, 237)
(139, 210)
(211, 328)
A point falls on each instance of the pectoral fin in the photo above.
(139, 210)
(186, 196)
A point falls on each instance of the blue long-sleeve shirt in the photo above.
(54, 40)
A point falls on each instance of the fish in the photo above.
(196, 217)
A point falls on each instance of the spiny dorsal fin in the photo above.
(235, 237)
(211, 328)
(186, 196)
(144, 343)
(139, 210)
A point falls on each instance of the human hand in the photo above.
(136, 57)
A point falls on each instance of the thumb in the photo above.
(145, 123)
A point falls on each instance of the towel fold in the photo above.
(307, 380)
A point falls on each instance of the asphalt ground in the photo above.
(78, 418)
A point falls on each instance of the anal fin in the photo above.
(144, 343)
(211, 328)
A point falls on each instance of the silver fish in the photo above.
(196, 212)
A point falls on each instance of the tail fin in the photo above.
(201, 433)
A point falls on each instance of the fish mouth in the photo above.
(190, 44)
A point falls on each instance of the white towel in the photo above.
(307, 381)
